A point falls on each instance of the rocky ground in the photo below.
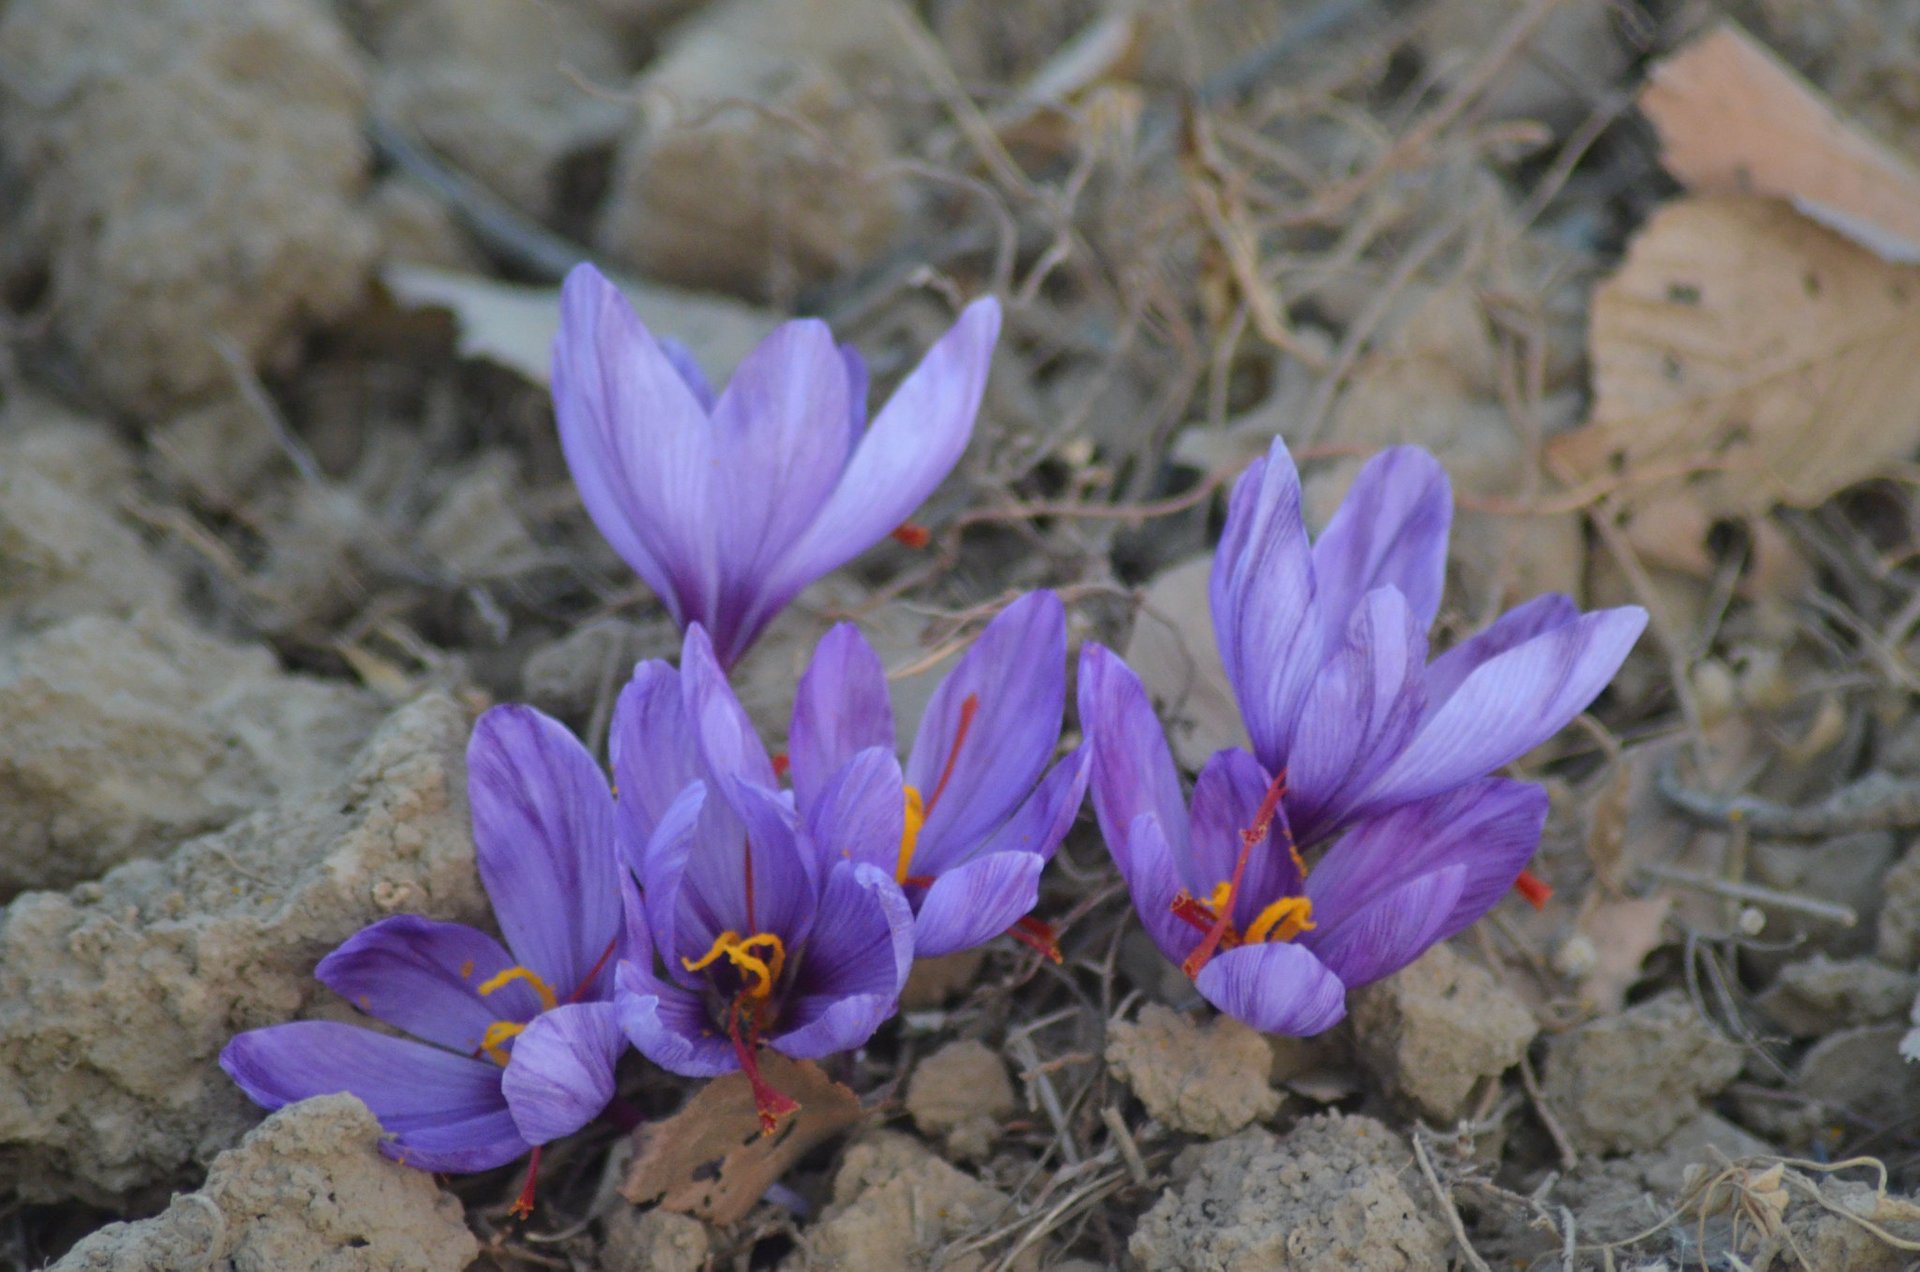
(282, 509)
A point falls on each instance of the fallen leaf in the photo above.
(1748, 357)
(514, 326)
(1621, 934)
(1733, 118)
(710, 1159)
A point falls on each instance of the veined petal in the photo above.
(914, 443)
(425, 977)
(861, 946)
(1390, 531)
(972, 903)
(1510, 704)
(781, 442)
(544, 840)
(1489, 828)
(1039, 825)
(1515, 627)
(833, 1025)
(1154, 879)
(662, 867)
(1133, 772)
(840, 709)
(1263, 595)
(1359, 714)
(444, 1112)
(561, 1073)
(728, 745)
(637, 442)
(1226, 800)
(691, 373)
(860, 813)
(652, 747)
(670, 1026)
(1274, 987)
(1016, 675)
(1391, 930)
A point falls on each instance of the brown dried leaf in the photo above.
(710, 1159)
(1622, 934)
(1733, 118)
(1772, 359)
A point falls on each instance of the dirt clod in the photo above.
(654, 1241)
(1432, 1031)
(1628, 1081)
(1208, 1079)
(1820, 994)
(961, 1092)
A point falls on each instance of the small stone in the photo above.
(1206, 1079)
(1333, 1195)
(1629, 1081)
(1849, 870)
(654, 1241)
(1434, 1030)
(1897, 932)
(1708, 1140)
(1860, 1068)
(1819, 995)
(962, 1093)
(307, 1188)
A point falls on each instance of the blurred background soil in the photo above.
(282, 509)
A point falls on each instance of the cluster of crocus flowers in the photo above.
(1364, 826)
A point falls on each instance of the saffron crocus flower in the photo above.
(766, 934)
(516, 1044)
(979, 813)
(728, 505)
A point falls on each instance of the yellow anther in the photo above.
(910, 834)
(761, 970)
(547, 1000)
(1222, 894)
(493, 1042)
(1282, 921)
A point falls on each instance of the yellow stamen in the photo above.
(1282, 921)
(761, 971)
(910, 834)
(1222, 893)
(547, 1000)
(493, 1042)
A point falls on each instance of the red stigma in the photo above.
(969, 707)
(914, 536)
(1251, 836)
(522, 1206)
(1037, 936)
(781, 764)
(1535, 890)
(593, 971)
(773, 1106)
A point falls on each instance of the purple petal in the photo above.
(691, 373)
(652, 748)
(1361, 711)
(1390, 531)
(840, 709)
(1133, 772)
(1510, 704)
(1263, 595)
(1515, 627)
(1275, 987)
(1154, 881)
(835, 1025)
(424, 977)
(544, 840)
(729, 746)
(561, 1073)
(861, 813)
(661, 867)
(914, 443)
(858, 382)
(1039, 825)
(1391, 930)
(637, 442)
(1226, 799)
(670, 1026)
(444, 1112)
(780, 441)
(1490, 827)
(971, 904)
(1016, 674)
(861, 947)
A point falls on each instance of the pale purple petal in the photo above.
(861, 947)
(1016, 674)
(1515, 627)
(914, 443)
(1391, 930)
(1262, 592)
(1153, 880)
(444, 1112)
(1390, 531)
(1040, 823)
(840, 709)
(652, 747)
(1275, 987)
(661, 867)
(833, 1025)
(858, 386)
(670, 1026)
(1359, 714)
(691, 373)
(561, 1073)
(544, 843)
(637, 442)
(728, 744)
(1133, 772)
(1226, 800)
(1490, 828)
(860, 814)
(1510, 704)
(424, 977)
(971, 904)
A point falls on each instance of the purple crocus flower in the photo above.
(770, 931)
(729, 505)
(1365, 756)
(976, 814)
(516, 1043)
